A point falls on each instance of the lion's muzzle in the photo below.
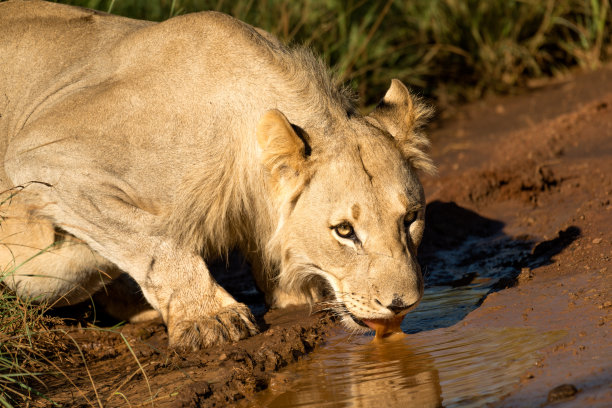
(380, 296)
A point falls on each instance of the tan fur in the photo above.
(154, 148)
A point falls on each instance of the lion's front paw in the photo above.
(231, 323)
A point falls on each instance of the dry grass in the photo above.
(33, 346)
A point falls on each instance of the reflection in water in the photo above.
(366, 374)
(479, 366)
(431, 368)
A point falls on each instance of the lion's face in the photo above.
(353, 207)
(357, 224)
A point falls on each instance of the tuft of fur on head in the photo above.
(404, 116)
(314, 86)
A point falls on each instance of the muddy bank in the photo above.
(548, 181)
(132, 365)
(523, 199)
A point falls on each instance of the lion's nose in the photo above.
(397, 305)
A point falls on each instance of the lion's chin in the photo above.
(382, 327)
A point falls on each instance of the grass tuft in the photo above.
(25, 343)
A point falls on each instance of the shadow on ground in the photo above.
(465, 256)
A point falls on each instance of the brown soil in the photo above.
(537, 166)
(132, 365)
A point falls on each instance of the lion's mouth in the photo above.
(343, 310)
(357, 320)
(382, 327)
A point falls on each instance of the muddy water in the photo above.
(442, 367)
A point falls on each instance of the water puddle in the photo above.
(435, 368)
(443, 306)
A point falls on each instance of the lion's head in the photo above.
(352, 207)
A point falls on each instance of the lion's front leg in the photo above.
(198, 312)
(174, 280)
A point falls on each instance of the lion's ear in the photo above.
(283, 151)
(403, 116)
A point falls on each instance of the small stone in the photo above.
(525, 275)
(562, 392)
(223, 357)
(607, 304)
(597, 241)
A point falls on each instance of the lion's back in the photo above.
(46, 48)
(53, 53)
(41, 42)
(50, 50)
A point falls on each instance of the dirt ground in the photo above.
(537, 165)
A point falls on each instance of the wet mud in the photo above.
(517, 307)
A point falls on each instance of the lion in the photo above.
(151, 149)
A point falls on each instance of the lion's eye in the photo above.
(345, 230)
(409, 219)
